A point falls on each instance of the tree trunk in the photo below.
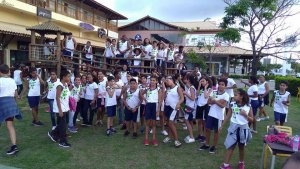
(254, 64)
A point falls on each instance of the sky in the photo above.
(168, 10)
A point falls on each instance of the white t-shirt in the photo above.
(171, 54)
(236, 117)
(278, 106)
(132, 98)
(118, 91)
(161, 54)
(52, 88)
(108, 51)
(251, 91)
(172, 97)
(124, 77)
(216, 111)
(201, 101)
(262, 88)
(64, 99)
(34, 87)
(82, 90)
(148, 49)
(188, 101)
(17, 77)
(8, 87)
(110, 101)
(152, 95)
(137, 62)
(230, 83)
(102, 89)
(90, 91)
(75, 92)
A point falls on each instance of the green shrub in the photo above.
(270, 77)
(293, 84)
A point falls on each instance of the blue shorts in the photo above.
(170, 113)
(99, 100)
(111, 111)
(279, 117)
(213, 123)
(130, 116)
(202, 112)
(151, 109)
(254, 105)
(188, 116)
(142, 110)
(33, 101)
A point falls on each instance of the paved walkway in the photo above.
(6, 167)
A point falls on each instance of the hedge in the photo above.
(270, 77)
(293, 84)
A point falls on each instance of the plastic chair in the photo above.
(298, 95)
(284, 129)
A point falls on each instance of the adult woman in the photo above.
(263, 94)
(253, 95)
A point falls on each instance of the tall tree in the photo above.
(262, 21)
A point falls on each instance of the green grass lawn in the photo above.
(91, 148)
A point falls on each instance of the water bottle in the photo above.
(295, 143)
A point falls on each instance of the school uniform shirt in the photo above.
(137, 62)
(52, 88)
(64, 99)
(262, 88)
(216, 111)
(148, 49)
(154, 53)
(230, 83)
(278, 105)
(17, 77)
(88, 50)
(118, 91)
(188, 101)
(8, 87)
(201, 101)
(75, 92)
(122, 46)
(132, 98)
(124, 77)
(90, 91)
(110, 101)
(108, 51)
(82, 90)
(171, 54)
(152, 95)
(172, 97)
(236, 117)
(102, 89)
(141, 87)
(34, 87)
(251, 91)
(161, 54)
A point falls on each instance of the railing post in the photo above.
(58, 54)
(142, 66)
(104, 63)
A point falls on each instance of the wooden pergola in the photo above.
(36, 50)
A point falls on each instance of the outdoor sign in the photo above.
(101, 32)
(86, 26)
(44, 13)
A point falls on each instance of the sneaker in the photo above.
(267, 118)
(123, 127)
(177, 143)
(167, 140)
(142, 129)
(13, 150)
(212, 150)
(53, 127)
(78, 120)
(186, 138)
(202, 139)
(108, 132)
(204, 147)
(164, 132)
(184, 127)
(113, 130)
(241, 165)
(72, 129)
(190, 140)
(150, 131)
(146, 142)
(154, 143)
(85, 124)
(223, 167)
(253, 131)
(198, 138)
(134, 135)
(64, 144)
(37, 123)
(259, 119)
(52, 137)
(126, 133)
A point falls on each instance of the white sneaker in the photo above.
(157, 118)
(253, 131)
(53, 127)
(164, 132)
(167, 140)
(267, 118)
(259, 119)
(184, 127)
(190, 140)
(150, 131)
(177, 143)
(186, 138)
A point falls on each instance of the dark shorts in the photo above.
(111, 111)
(279, 117)
(33, 101)
(213, 123)
(264, 101)
(170, 113)
(99, 100)
(142, 110)
(254, 105)
(160, 63)
(188, 116)
(10, 119)
(202, 112)
(130, 116)
(150, 113)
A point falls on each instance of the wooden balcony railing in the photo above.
(74, 12)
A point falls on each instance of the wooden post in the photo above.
(32, 37)
(104, 63)
(31, 49)
(58, 54)
(142, 66)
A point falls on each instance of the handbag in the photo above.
(188, 109)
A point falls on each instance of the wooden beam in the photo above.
(58, 54)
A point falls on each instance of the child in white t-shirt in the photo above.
(111, 104)
(281, 99)
(218, 101)
(75, 94)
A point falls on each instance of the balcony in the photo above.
(75, 12)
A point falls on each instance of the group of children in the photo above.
(146, 99)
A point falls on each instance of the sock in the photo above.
(241, 162)
(226, 165)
